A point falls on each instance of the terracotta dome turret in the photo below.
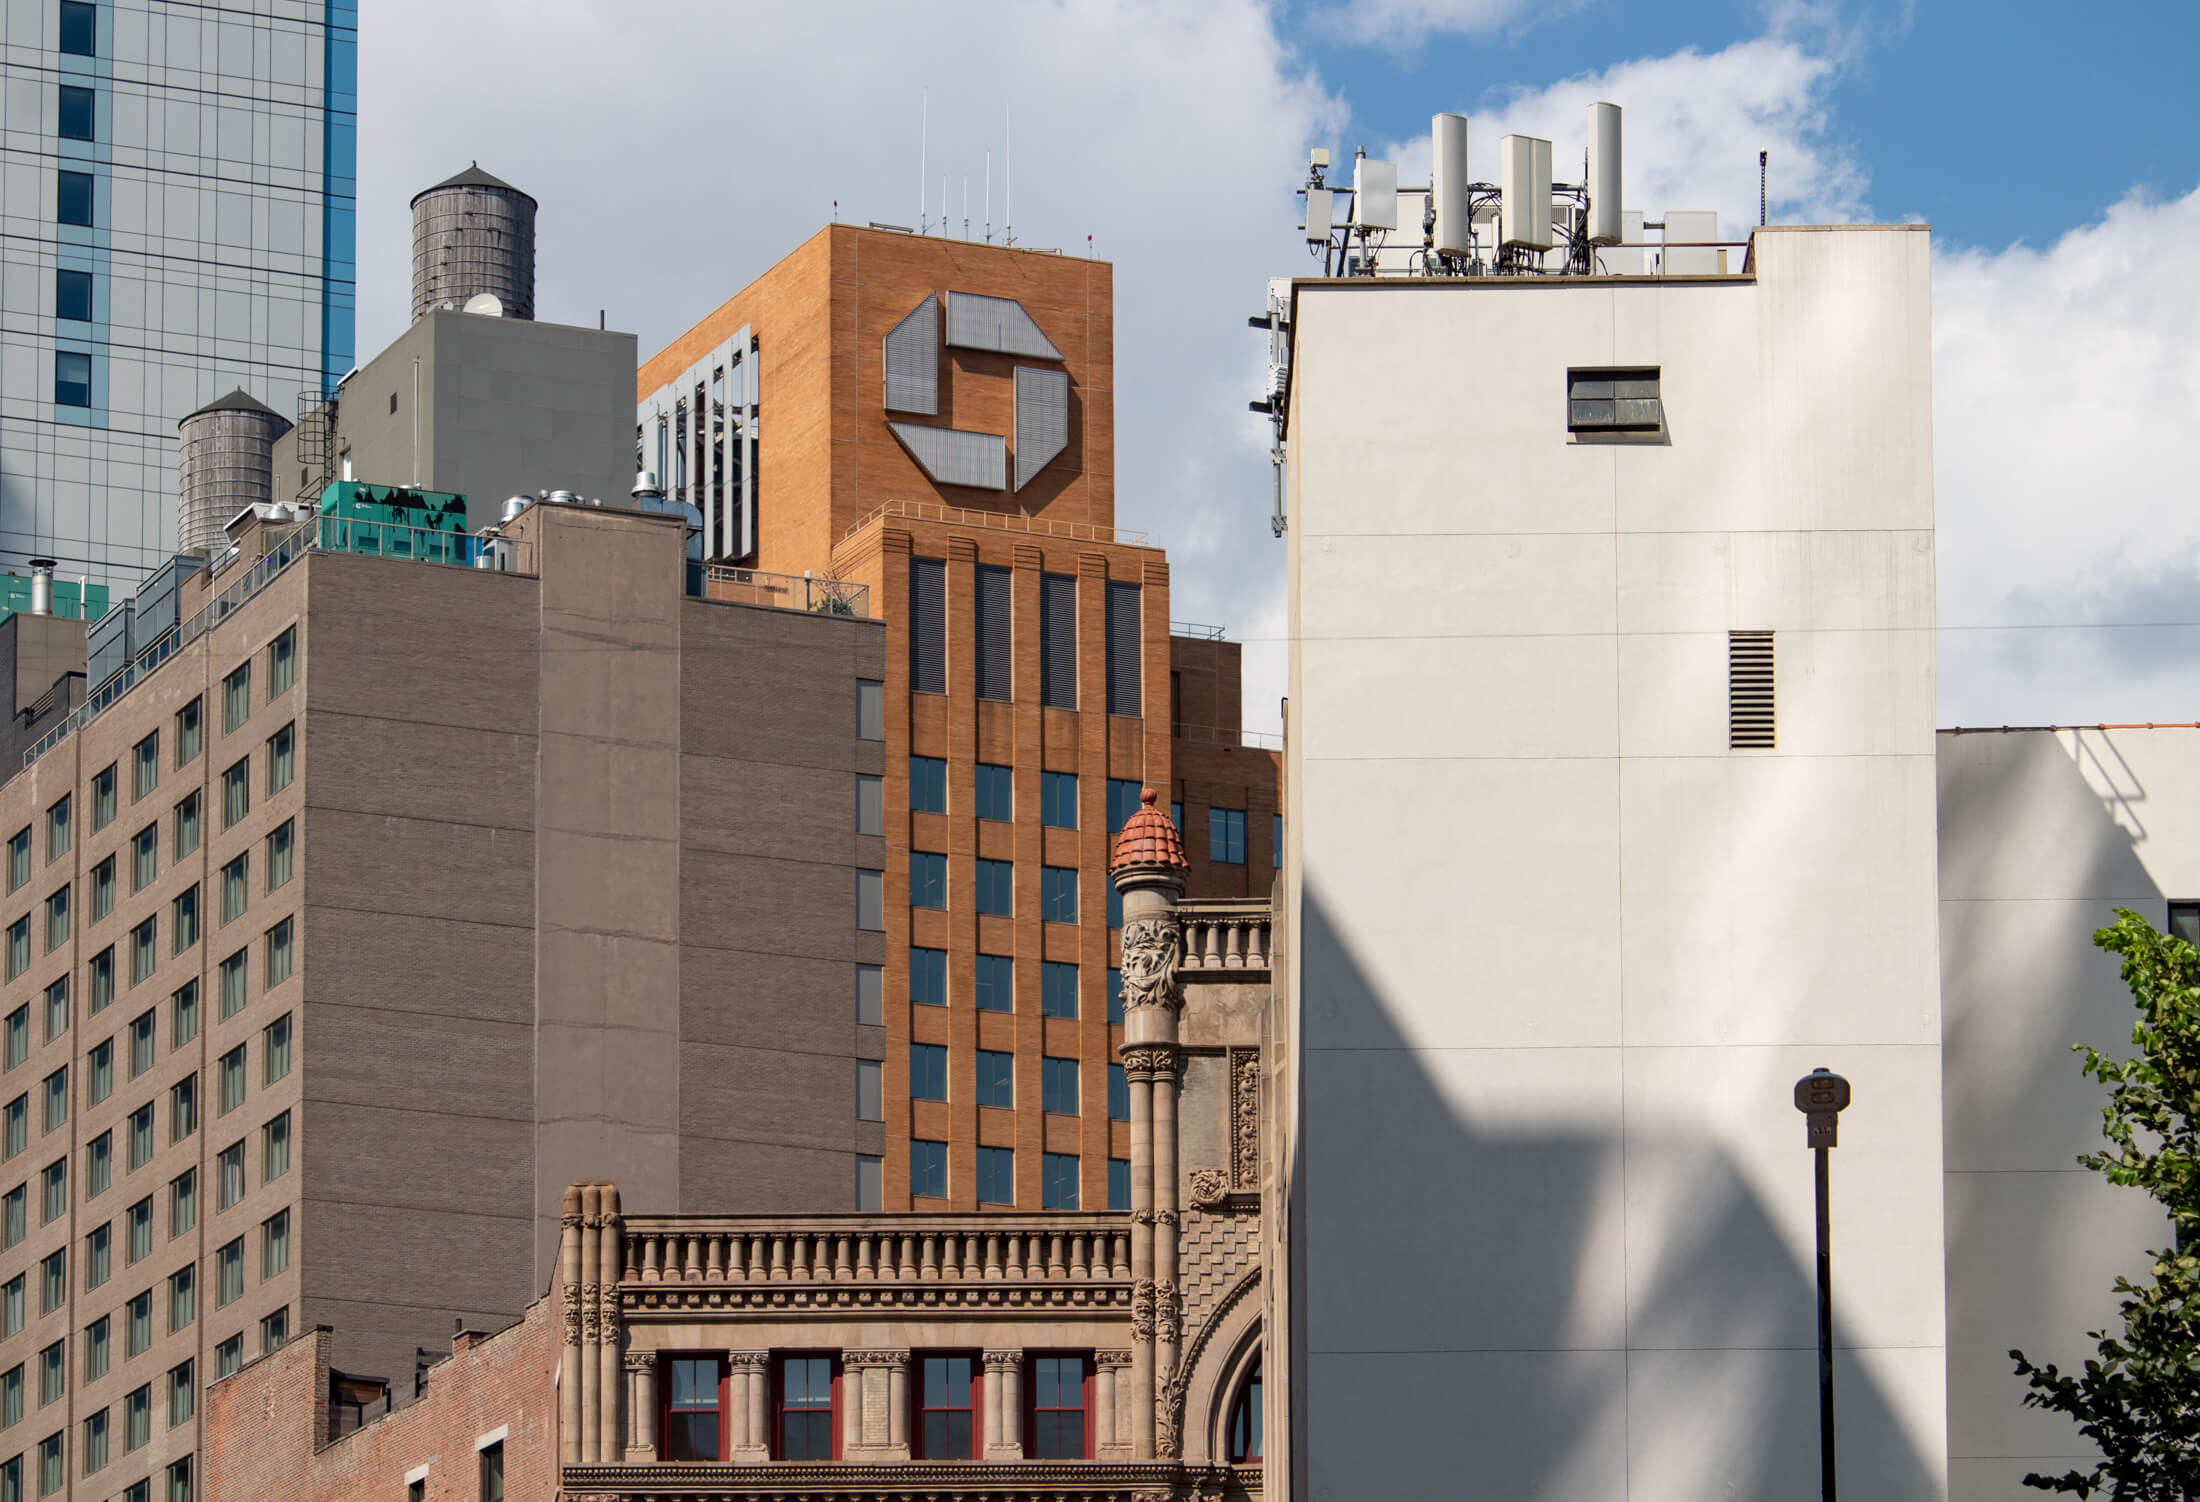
(1149, 839)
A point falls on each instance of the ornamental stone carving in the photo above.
(641, 1361)
(1151, 952)
(1142, 1311)
(1245, 1118)
(748, 1361)
(591, 1313)
(860, 1359)
(1149, 1063)
(1210, 1187)
(1168, 1418)
(1167, 1311)
(1002, 1361)
(572, 1313)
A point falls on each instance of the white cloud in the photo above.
(2065, 380)
(678, 149)
(1402, 24)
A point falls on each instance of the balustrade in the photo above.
(1225, 935)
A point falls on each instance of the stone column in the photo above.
(1167, 1305)
(749, 1373)
(1111, 1391)
(853, 1366)
(611, 1321)
(591, 1364)
(1004, 1405)
(641, 1408)
(1140, 1078)
(874, 1398)
(897, 1406)
(569, 1299)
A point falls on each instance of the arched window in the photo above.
(1244, 1443)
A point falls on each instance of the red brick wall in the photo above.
(264, 1425)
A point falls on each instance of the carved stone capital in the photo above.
(1164, 1217)
(591, 1313)
(857, 1360)
(1116, 1358)
(1142, 1312)
(570, 1221)
(570, 1302)
(1210, 1187)
(1001, 1361)
(748, 1361)
(1152, 949)
(1142, 1217)
(1149, 1062)
(641, 1361)
(1168, 1310)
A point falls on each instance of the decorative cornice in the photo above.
(996, 1481)
(645, 1300)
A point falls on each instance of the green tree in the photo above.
(2138, 1401)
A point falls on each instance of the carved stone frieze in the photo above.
(1152, 950)
(1245, 1118)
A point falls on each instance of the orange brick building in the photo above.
(935, 418)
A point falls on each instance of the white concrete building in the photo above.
(1559, 947)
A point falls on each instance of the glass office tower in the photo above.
(178, 190)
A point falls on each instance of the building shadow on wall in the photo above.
(1489, 1356)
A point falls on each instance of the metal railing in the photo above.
(1195, 630)
(997, 521)
(1227, 738)
(751, 586)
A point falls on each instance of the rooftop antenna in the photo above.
(924, 140)
(1008, 175)
(1761, 156)
(943, 203)
(989, 198)
(966, 205)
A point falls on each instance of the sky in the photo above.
(679, 147)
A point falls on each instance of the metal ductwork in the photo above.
(228, 464)
(474, 234)
(42, 585)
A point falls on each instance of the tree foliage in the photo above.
(2138, 1400)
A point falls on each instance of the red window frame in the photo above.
(919, 1450)
(780, 1409)
(1244, 1444)
(1032, 1410)
(664, 1399)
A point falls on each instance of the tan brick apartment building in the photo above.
(372, 906)
(1033, 684)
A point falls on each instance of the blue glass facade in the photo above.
(340, 185)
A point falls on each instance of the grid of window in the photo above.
(57, 1009)
(1058, 641)
(19, 946)
(995, 792)
(871, 900)
(145, 766)
(183, 1010)
(53, 1281)
(137, 1418)
(99, 1072)
(947, 1399)
(274, 1245)
(99, 1254)
(141, 1136)
(870, 995)
(103, 798)
(275, 1049)
(994, 615)
(14, 1215)
(1058, 1181)
(236, 792)
(236, 888)
(1122, 648)
(53, 1192)
(57, 919)
(870, 804)
(231, 977)
(1122, 802)
(99, 1165)
(141, 1228)
(229, 1176)
(805, 1408)
(17, 1125)
(1119, 1094)
(144, 949)
(229, 1075)
(927, 1071)
(692, 1390)
(185, 916)
(1119, 1183)
(928, 625)
(183, 1299)
(144, 857)
(103, 889)
(279, 945)
(870, 1090)
(928, 977)
(57, 1099)
(1058, 894)
(996, 1079)
(19, 857)
(996, 888)
(282, 758)
(996, 983)
(183, 1108)
(182, 1394)
(870, 710)
(141, 1043)
(18, 1035)
(229, 1273)
(996, 1176)
(927, 785)
(1057, 989)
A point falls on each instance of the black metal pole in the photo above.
(1825, 1333)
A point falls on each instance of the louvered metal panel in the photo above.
(949, 456)
(1123, 676)
(928, 625)
(913, 361)
(1751, 692)
(999, 324)
(995, 644)
(1058, 641)
(700, 429)
(1042, 420)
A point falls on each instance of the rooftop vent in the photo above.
(1750, 691)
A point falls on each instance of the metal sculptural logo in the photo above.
(996, 325)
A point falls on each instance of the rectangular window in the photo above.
(1115, 901)
(282, 758)
(53, 1281)
(57, 1099)
(58, 833)
(141, 1043)
(183, 1202)
(179, 1480)
(57, 1009)
(1119, 1183)
(187, 825)
(145, 766)
(492, 1472)
(996, 792)
(79, 28)
(103, 889)
(274, 1245)
(141, 1226)
(1058, 1181)
(182, 1395)
(144, 949)
(76, 113)
(927, 785)
(95, 1441)
(275, 1049)
(236, 792)
(928, 879)
(236, 888)
(231, 1078)
(185, 913)
(15, 1214)
(19, 946)
(50, 1471)
(1226, 836)
(1122, 801)
(144, 857)
(996, 1176)
(11, 1306)
(995, 637)
(694, 1407)
(927, 1071)
(183, 1013)
(275, 1148)
(870, 804)
(99, 1072)
(928, 977)
(1751, 691)
(229, 1357)
(183, 1108)
(57, 919)
(996, 983)
(1058, 800)
(141, 1136)
(18, 1124)
(871, 901)
(1058, 894)
(190, 732)
(278, 954)
(99, 1165)
(871, 995)
(183, 1299)
(1123, 638)
(996, 888)
(232, 981)
(102, 979)
(53, 1191)
(928, 1169)
(806, 1430)
(137, 1418)
(1058, 1086)
(19, 858)
(870, 1182)
(947, 1393)
(1275, 840)
(11, 1407)
(1058, 1407)
(1057, 988)
(229, 1273)
(237, 698)
(99, 1255)
(870, 1090)
(928, 625)
(229, 1176)
(104, 801)
(996, 1079)
(72, 295)
(870, 710)
(282, 663)
(72, 375)
(1614, 401)
(1058, 641)
(73, 199)
(19, 1035)
(1119, 1094)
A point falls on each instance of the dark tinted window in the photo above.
(72, 379)
(73, 198)
(72, 295)
(76, 113)
(79, 28)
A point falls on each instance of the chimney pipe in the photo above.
(42, 585)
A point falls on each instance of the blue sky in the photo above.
(679, 147)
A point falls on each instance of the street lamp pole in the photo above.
(1821, 1096)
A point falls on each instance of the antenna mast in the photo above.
(924, 140)
(1008, 175)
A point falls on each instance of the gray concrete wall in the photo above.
(506, 407)
(2043, 834)
(1560, 953)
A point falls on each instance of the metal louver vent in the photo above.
(1000, 324)
(1749, 690)
(994, 643)
(951, 457)
(928, 625)
(1042, 420)
(913, 361)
